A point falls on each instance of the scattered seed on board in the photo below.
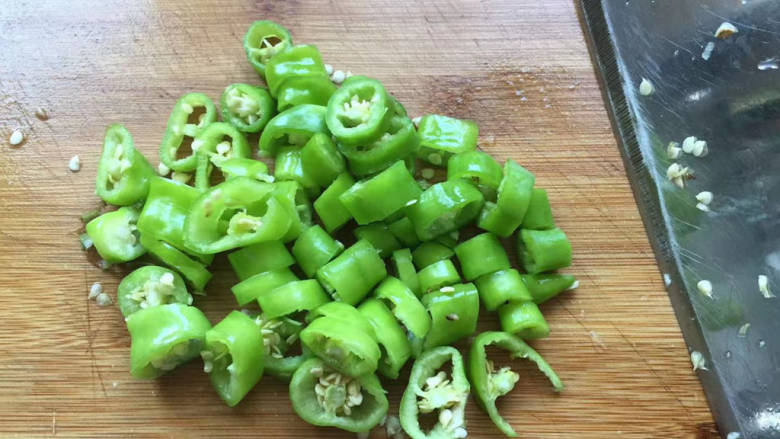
(704, 197)
(42, 114)
(646, 87)
(698, 361)
(763, 286)
(705, 287)
(725, 30)
(103, 299)
(687, 145)
(17, 137)
(95, 290)
(74, 164)
(338, 77)
(700, 148)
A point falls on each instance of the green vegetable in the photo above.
(297, 205)
(390, 336)
(246, 107)
(192, 113)
(539, 215)
(314, 248)
(123, 172)
(523, 319)
(403, 230)
(211, 143)
(163, 337)
(543, 250)
(323, 397)
(432, 389)
(437, 275)
(321, 160)
(115, 235)
(500, 287)
(193, 271)
(352, 274)
(289, 166)
(379, 236)
(252, 287)
(150, 286)
(299, 90)
(490, 384)
(479, 167)
(258, 258)
(443, 136)
(234, 356)
(544, 287)
(263, 40)
(445, 207)
(240, 167)
(429, 252)
(481, 255)
(291, 297)
(279, 336)
(329, 207)
(293, 62)
(292, 127)
(454, 311)
(405, 306)
(514, 194)
(358, 111)
(404, 270)
(378, 197)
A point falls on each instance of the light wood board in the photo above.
(518, 68)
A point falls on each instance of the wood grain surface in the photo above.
(518, 68)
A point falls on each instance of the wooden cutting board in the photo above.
(518, 68)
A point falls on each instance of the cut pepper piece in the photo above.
(431, 389)
(481, 255)
(523, 319)
(218, 141)
(454, 311)
(289, 167)
(378, 197)
(329, 207)
(321, 160)
(352, 274)
(293, 62)
(193, 271)
(234, 356)
(264, 282)
(262, 41)
(299, 90)
(405, 306)
(163, 337)
(404, 270)
(445, 207)
(514, 194)
(192, 113)
(150, 286)
(279, 336)
(544, 287)
(246, 107)
(390, 336)
(479, 167)
(437, 275)
(501, 287)
(292, 127)
(115, 235)
(234, 214)
(443, 136)
(398, 143)
(294, 200)
(429, 252)
(291, 297)
(379, 236)
(314, 248)
(539, 215)
(490, 384)
(358, 111)
(123, 173)
(342, 345)
(327, 398)
(258, 258)
(543, 250)
(403, 230)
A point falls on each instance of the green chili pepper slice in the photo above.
(123, 173)
(346, 313)
(262, 41)
(479, 167)
(192, 113)
(289, 167)
(514, 193)
(523, 319)
(544, 287)
(329, 207)
(539, 214)
(379, 236)
(454, 311)
(293, 62)
(246, 107)
(543, 250)
(378, 197)
(219, 139)
(431, 389)
(292, 127)
(429, 252)
(233, 356)
(358, 112)
(501, 287)
(437, 275)
(342, 344)
(279, 336)
(481, 255)
(252, 287)
(443, 136)
(321, 160)
(233, 214)
(291, 297)
(150, 286)
(490, 384)
(405, 305)
(193, 271)
(115, 235)
(352, 274)
(390, 336)
(258, 258)
(404, 270)
(314, 248)
(299, 90)
(403, 230)
(163, 337)
(399, 142)
(445, 207)
(241, 167)
(327, 398)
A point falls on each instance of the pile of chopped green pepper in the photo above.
(323, 310)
